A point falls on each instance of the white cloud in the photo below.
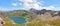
(58, 9)
(26, 5)
(14, 4)
(3, 9)
(49, 7)
(39, 3)
(34, 4)
(26, 1)
(37, 7)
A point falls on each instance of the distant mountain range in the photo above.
(31, 11)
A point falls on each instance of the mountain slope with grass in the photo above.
(35, 17)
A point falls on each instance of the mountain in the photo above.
(32, 13)
(43, 11)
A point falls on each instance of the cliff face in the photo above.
(45, 17)
(45, 14)
(3, 15)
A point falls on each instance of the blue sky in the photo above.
(8, 5)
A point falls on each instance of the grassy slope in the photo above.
(34, 23)
(9, 23)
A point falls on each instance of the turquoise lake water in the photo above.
(18, 20)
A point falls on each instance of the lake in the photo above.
(18, 20)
